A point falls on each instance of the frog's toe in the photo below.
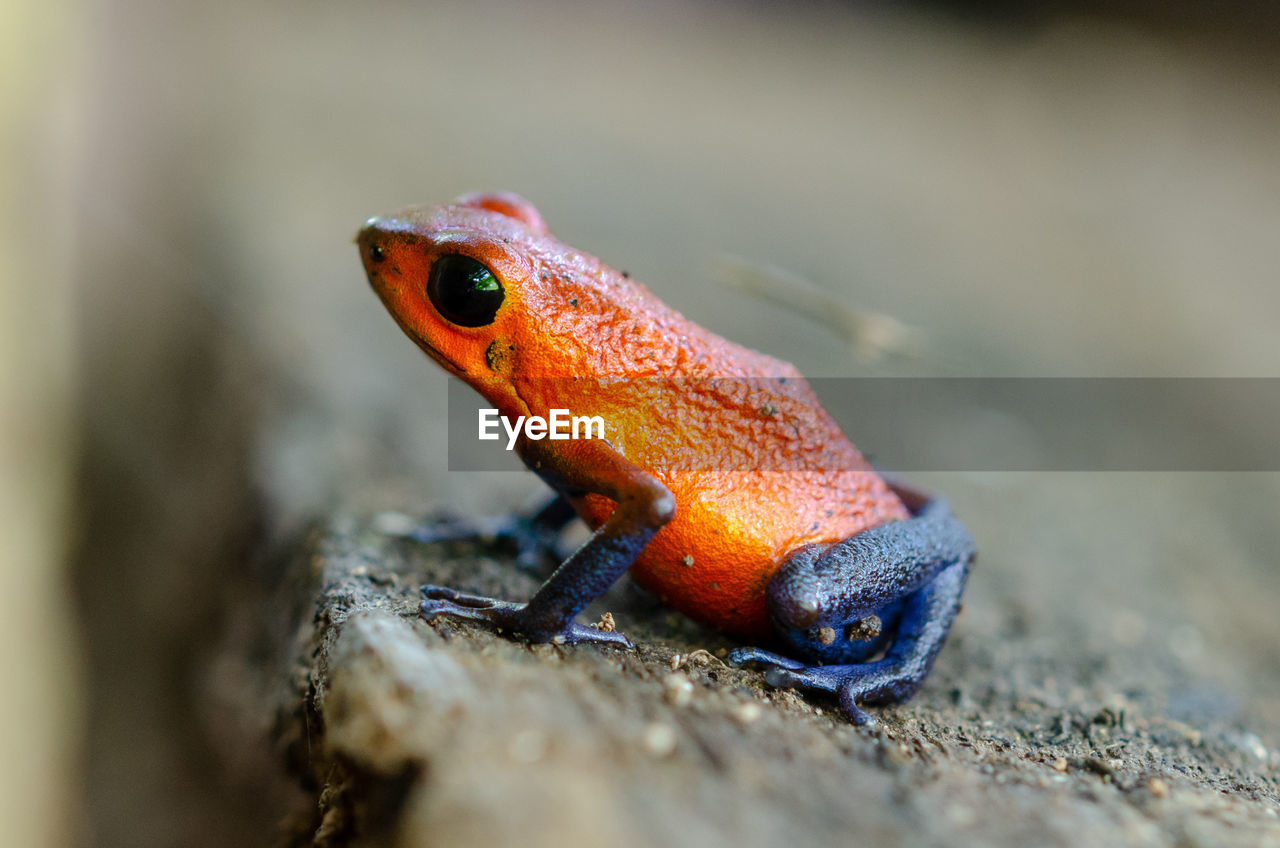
(812, 677)
(742, 656)
(487, 612)
(849, 706)
(509, 619)
(578, 633)
(450, 598)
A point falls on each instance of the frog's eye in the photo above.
(464, 291)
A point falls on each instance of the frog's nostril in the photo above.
(371, 230)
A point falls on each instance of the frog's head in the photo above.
(453, 277)
(486, 291)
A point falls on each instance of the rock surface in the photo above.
(437, 734)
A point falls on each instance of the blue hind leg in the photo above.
(894, 589)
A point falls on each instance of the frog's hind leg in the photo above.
(903, 579)
(925, 621)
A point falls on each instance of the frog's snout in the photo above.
(372, 241)
(369, 231)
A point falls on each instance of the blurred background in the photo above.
(193, 367)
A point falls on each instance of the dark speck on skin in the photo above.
(495, 357)
(626, 275)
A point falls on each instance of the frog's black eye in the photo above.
(377, 253)
(464, 291)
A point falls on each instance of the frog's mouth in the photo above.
(427, 347)
(436, 354)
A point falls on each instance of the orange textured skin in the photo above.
(756, 466)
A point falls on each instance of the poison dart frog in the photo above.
(721, 483)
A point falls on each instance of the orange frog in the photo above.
(720, 482)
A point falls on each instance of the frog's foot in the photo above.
(534, 539)
(853, 685)
(742, 656)
(509, 618)
(534, 549)
(850, 683)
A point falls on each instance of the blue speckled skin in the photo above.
(910, 574)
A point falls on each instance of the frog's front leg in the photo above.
(894, 588)
(644, 505)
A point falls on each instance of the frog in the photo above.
(722, 485)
